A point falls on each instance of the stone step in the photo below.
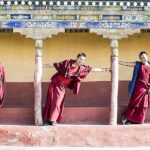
(70, 115)
(71, 148)
(17, 115)
(75, 136)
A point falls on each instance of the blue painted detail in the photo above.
(111, 17)
(20, 16)
(14, 24)
(63, 24)
(92, 24)
(137, 24)
(73, 24)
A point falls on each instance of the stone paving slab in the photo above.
(71, 148)
(75, 136)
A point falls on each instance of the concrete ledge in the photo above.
(76, 136)
(71, 148)
(70, 115)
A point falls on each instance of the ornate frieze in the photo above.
(71, 17)
(75, 7)
(85, 15)
(73, 24)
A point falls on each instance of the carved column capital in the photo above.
(115, 33)
(38, 33)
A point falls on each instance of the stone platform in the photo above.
(91, 107)
(70, 115)
(75, 135)
(72, 148)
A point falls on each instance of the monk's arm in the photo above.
(48, 66)
(101, 69)
(129, 64)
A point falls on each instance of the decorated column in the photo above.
(37, 82)
(114, 82)
(39, 34)
(114, 35)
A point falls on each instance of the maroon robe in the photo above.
(2, 84)
(140, 100)
(57, 88)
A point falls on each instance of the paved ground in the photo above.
(71, 148)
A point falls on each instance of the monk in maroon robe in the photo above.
(140, 98)
(2, 84)
(69, 75)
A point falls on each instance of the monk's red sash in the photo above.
(2, 84)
